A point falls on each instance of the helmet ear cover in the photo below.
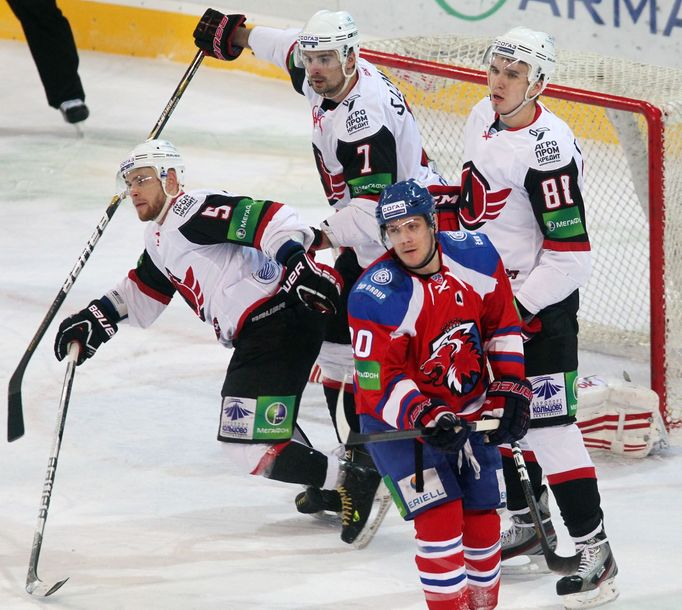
(160, 155)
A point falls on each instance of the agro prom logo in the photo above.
(473, 10)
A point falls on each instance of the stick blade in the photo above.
(38, 588)
(15, 412)
(562, 565)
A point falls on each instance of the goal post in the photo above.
(627, 118)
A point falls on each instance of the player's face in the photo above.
(324, 72)
(413, 241)
(146, 192)
(508, 82)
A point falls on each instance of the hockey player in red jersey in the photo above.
(429, 320)
(364, 137)
(241, 266)
(522, 185)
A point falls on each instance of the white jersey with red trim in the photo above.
(417, 338)
(523, 188)
(361, 145)
(217, 251)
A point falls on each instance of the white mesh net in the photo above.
(616, 312)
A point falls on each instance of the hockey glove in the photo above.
(317, 286)
(531, 325)
(508, 399)
(214, 34)
(90, 327)
(446, 431)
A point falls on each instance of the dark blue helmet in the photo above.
(402, 199)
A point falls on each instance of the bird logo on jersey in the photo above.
(456, 359)
(190, 290)
(478, 204)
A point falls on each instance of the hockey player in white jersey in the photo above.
(522, 185)
(241, 266)
(364, 137)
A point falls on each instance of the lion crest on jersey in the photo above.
(456, 359)
(478, 204)
(190, 290)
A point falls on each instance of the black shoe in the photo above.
(357, 496)
(74, 111)
(314, 500)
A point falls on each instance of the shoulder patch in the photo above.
(183, 205)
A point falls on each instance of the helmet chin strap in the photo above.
(166, 204)
(347, 76)
(526, 100)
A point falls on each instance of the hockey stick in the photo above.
(556, 563)
(34, 585)
(15, 415)
(355, 438)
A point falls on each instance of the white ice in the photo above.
(145, 512)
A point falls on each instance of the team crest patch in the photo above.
(456, 359)
(381, 277)
(268, 272)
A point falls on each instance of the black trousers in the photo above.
(53, 48)
(274, 354)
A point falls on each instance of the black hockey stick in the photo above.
(356, 438)
(34, 585)
(15, 414)
(556, 563)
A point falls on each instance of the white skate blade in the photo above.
(606, 592)
(327, 517)
(525, 565)
(380, 506)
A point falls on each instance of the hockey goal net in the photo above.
(628, 121)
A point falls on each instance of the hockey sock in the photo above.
(292, 462)
(515, 498)
(579, 502)
(440, 557)
(482, 556)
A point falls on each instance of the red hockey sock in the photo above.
(482, 555)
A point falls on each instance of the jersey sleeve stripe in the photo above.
(148, 290)
(566, 246)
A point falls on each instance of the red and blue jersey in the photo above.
(419, 337)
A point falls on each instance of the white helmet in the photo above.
(529, 46)
(160, 155)
(330, 31)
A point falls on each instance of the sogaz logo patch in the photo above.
(392, 210)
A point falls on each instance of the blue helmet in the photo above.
(402, 199)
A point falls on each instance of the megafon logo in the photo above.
(472, 10)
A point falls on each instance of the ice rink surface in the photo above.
(146, 512)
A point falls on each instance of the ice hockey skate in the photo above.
(521, 550)
(593, 584)
(323, 504)
(365, 501)
(74, 111)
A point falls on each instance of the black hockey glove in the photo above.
(508, 399)
(446, 431)
(214, 34)
(318, 286)
(90, 327)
